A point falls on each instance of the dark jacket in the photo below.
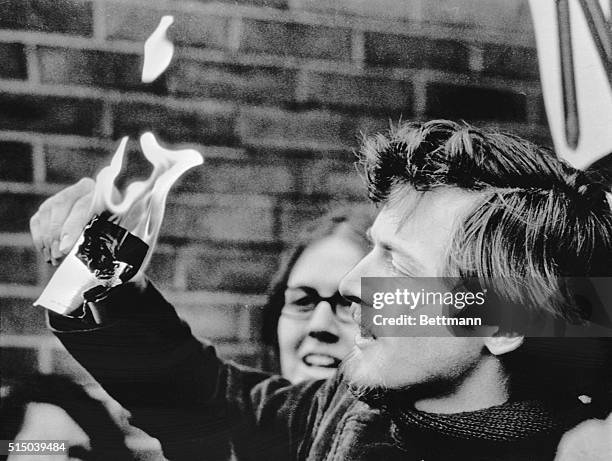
(201, 407)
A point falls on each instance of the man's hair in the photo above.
(539, 219)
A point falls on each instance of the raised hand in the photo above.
(59, 221)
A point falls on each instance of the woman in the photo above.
(306, 321)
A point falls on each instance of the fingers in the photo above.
(47, 224)
(35, 232)
(75, 222)
(38, 232)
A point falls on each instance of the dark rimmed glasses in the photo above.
(301, 302)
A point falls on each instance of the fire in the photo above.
(140, 208)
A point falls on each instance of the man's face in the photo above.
(411, 238)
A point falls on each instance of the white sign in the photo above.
(574, 41)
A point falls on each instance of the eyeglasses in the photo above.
(301, 302)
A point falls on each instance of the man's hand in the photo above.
(59, 221)
(591, 440)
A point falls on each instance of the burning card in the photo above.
(117, 244)
(111, 253)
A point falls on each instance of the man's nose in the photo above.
(350, 285)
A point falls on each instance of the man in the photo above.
(455, 201)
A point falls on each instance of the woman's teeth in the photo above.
(321, 360)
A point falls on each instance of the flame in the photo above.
(141, 208)
(158, 51)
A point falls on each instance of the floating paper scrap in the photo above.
(158, 51)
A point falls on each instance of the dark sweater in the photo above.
(201, 407)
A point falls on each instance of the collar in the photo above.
(509, 422)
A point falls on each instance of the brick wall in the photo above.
(274, 93)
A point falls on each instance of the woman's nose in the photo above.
(323, 324)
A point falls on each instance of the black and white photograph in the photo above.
(318, 230)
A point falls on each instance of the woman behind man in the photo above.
(306, 322)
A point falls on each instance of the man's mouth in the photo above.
(364, 338)
(321, 360)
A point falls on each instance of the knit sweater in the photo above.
(179, 390)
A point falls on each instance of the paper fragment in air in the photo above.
(158, 51)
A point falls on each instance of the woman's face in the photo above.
(314, 335)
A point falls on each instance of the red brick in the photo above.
(72, 17)
(15, 161)
(230, 81)
(91, 68)
(279, 4)
(356, 126)
(13, 61)
(238, 218)
(162, 267)
(66, 165)
(393, 9)
(206, 125)
(18, 361)
(291, 39)
(19, 265)
(480, 14)
(49, 114)
(297, 213)
(239, 177)
(415, 52)
(292, 155)
(294, 128)
(475, 104)
(332, 177)
(355, 91)
(128, 22)
(236, 270)
(19, 317)
(368, 126)
(515, 62)
(135, 166)
(16, 211)
(539, 136)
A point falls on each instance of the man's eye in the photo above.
(397, 268)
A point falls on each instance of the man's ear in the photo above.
(502, 343)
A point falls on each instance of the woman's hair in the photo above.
(107, 438)
(350, 223)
